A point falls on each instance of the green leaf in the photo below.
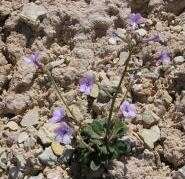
(103, 149)
(119, 128)
(96, 142)
(98, 126)
(93, 166)
(90, 132)
(121, 147)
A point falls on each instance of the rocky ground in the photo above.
(73, 37)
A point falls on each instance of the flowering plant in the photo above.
(96, 143)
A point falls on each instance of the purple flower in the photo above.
(64, 133)
(135, 20)
(86, 84)
(164, 58)
(128, 110)
(34, 58)
(58, 115)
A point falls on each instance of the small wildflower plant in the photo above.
(100, 141)
(96, 143)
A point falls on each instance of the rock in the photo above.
(30, 118)
(46, 133)
(167, 98)
(142, 91)
(99, 21)
(149, 117)
(12, 125)
(15, 44)
(40, 176)
(175, 6)
(154, 3)
(123, 57)
(16, 103)
(177, 28)
(22, 77)
(5, 9)
(121, 33)
(95, 91)
(23, 136)
(66, 156)
(3, 60)
(107, 90)
(66, 76)
(150, 136)
(47, 157)
(83, 53)
(103, 97)
(174, 148)
(54, 175)
(76, 111)
(3, 80)
(15, 172)
(141, 32)
(32, 12)
(21, 160)
(179, 60)
(57, 148)
(182, 171)
(112, 41)
(3, 159)
(137, 167)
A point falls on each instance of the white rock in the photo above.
(150, 136)
(23, 136)
(47, 157)
(123, 57)
(12, 125)
(121, 32)
(141, 32)
(31, 12)
(30, 118)
(179, 60)
(112, 41)
(46, 133)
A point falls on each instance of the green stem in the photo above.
(115, 96)
(67, 107)
(60, 96)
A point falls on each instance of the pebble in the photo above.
(40, 176)
(121, 32)
(141, 32)
(76, 111)
(177, 28)
(3, 159)
(179, 60)
(30, 118)
(57, 148)
(54, 175)
(150, 136)
(31, 12)
(95, 91)
(112, 41)
(46, 133)
(182, 171)
(12, 125)
(149, 117)
(23, 136)
(47, 157)
(122, 58)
